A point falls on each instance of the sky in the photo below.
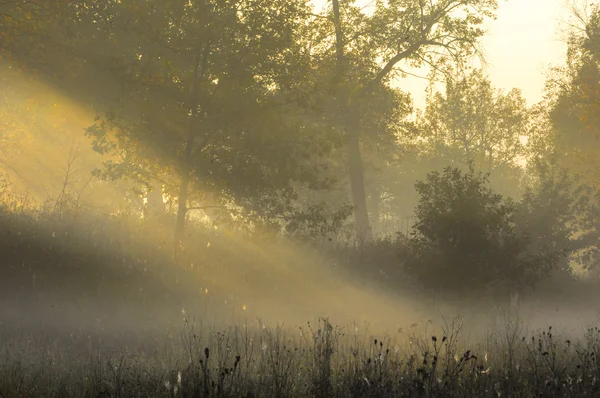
(520, 45)
(523, 42)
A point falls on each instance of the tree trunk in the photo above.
(357, 185)
(375, 206)
(355, 164)
(182, 209)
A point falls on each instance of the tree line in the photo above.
(292, 117)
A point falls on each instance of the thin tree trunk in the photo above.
(357, 185)
(355, 164)
(339, 42)
(427, 22)
(375, 206)
(182, 208)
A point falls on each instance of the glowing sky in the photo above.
(524, 40)
(519, 46)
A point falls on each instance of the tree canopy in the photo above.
(295, 119)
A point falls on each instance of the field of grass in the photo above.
(312, 361)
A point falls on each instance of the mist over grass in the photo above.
(311, 360)
(96, 306)
(239, 198)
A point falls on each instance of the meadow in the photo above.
(318, 360)
(104, 311)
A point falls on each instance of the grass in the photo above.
(312, 361)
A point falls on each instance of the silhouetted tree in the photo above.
(465, 238)
(369, 50)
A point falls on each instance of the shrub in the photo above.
(466, 239)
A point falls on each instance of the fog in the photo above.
(204, 198)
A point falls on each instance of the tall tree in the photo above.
(472, 123)
(414, 33)
(573, 97)
(213, 91)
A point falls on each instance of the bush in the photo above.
(466, 238)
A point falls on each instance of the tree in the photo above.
(234, 100)
(33, 34)
(468, 239)
(370, 48)
(473, 123)
(214, 91)
(573, 96)
(558, 212)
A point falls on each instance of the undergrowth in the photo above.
(313, 361)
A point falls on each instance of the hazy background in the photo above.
(157, 169)
(526, 38)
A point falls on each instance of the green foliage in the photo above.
(466, 239)
(438, 33)
(559, 214)
(369, 52)
(316, 222)
(573, 99)
(221, 101)
(239, 100)
(472, 122)
(475, 123)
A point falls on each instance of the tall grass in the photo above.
(319, 360)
